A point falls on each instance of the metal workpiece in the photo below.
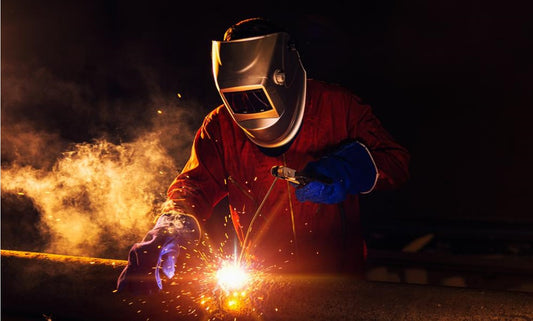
(46, 287)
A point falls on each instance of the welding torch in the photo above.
(298, 178)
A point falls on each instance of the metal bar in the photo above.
(480, 263)
(63, 258)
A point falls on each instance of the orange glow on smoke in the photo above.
(96, 191)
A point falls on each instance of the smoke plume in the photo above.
(97, 192)
(94, 197)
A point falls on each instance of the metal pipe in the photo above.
(63, 258)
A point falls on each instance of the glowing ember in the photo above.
(231, 276)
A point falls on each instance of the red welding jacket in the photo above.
(324, 238)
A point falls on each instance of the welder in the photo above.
(271, 115)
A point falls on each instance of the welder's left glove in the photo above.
(350, 170)
(157, 252)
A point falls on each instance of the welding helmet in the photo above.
(262, 83)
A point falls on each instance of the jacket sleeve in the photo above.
(201, 183)
(391, 158)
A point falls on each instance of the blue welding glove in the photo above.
(157, 252)
(350, 170)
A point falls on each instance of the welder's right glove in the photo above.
(349, 170)
(158, 251)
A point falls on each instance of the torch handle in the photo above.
(296, 177)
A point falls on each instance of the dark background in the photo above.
(451, 80)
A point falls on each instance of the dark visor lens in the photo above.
(248, 102)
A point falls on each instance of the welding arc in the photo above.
(63, 258)
(244, 243)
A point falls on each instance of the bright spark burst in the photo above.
(211, 282)
(231, 276)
